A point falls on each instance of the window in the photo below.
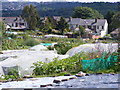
(12, 24)
(102, 27)
(77, 25)
(97, 27)
(22, 24)
(89, 27)
(84, 26)
(16, 25)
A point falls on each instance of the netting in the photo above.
(10, 70)
(98, 63)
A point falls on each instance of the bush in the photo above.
(30, 42)
(13, 44)
(62, 48)
(71, 64)
(65, 44)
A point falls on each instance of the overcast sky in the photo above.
(71, 0)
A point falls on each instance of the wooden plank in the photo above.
(63, 78)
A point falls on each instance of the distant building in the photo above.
(15, 23)
(98, 27)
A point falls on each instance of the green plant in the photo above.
(13, 44)
(30, 42)
(12, 74)
(70, 64)
(65, 44)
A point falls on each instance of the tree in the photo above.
(81, 31)
(2, 33)
(40, 24)
(109, 16)
(49, 24)
(115, 23)
(62, 25)
(2, 29)
(86, 13)
(29, 13)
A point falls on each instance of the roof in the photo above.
(57, 18)
(8, 20)
(80, 21)
(116, 31)
(88, 30)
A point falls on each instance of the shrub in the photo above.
(30, 42)
(71, 64)
(65, 44)
(13, 44)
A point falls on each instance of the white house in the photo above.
(16, 23)
(98, 26)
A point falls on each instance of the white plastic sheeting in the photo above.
(25, 59)
(57, 36)
(93, 48)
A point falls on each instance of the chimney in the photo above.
(70, 19)
(96, 20)
(45, 18)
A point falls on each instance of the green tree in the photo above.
(62, 25)
(52, 22)
(48, 26)
(115, 23)
(29, 13)
(40, 24)
(86, 13)
(2, 31)
(109, 16)
(81, 31)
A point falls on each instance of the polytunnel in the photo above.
(101, 47)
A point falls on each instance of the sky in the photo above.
(70, 0)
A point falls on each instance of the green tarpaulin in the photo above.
(98, 63)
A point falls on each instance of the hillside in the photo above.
(64, 9)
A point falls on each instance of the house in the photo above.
(115, 33)
(15, 23)
(97, 26)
